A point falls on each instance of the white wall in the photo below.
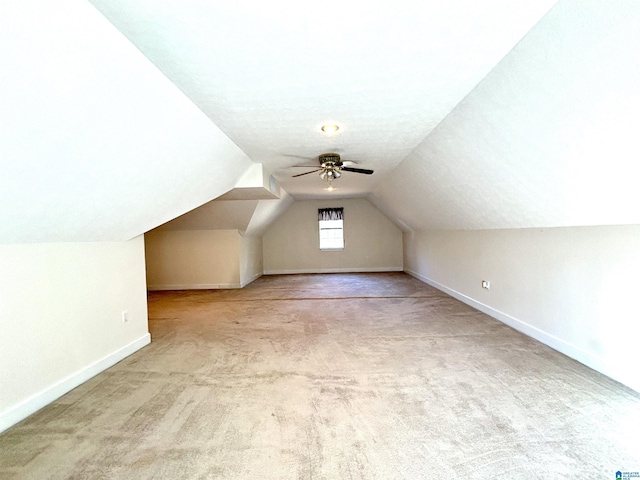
(61, 318)
(192, 259)
(250, 259)
(571, 288)
(201, 259)
(372, 241)
(515, 185)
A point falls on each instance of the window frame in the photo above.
(336, 217)
(326, 228)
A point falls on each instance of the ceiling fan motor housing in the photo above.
(329, 158)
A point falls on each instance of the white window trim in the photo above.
(320, 229)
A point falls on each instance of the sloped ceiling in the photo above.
(215, 215)
(249, 216)
(547, 139)
(95, 143)
(269, 74)
(250, 207)
(104, 137)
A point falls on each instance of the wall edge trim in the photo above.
(586, 358)
(37, 401)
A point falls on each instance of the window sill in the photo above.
(331, 249)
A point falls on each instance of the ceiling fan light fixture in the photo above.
(331, 168)
(330, 187)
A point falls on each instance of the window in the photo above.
(331, 231)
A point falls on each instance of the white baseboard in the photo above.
(587, 358)
(203, 286)
(194, 286)
(45, 397)
(334, 270)
(252, 279)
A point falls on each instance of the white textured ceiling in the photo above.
(95, 143)
(547, 139)
(468, 120)
(269, 74)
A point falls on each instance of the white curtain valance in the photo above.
(331, 213)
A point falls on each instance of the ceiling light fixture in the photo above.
(329, 174)
(330, 188)
(330, 128)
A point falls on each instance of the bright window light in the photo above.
(331, 235)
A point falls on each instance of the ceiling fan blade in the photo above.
(297, 156)
(357, 170)
(345, 163)
(306, 173)
(303, 166)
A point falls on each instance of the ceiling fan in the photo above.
(331, 167)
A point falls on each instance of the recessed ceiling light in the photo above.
(330, 128)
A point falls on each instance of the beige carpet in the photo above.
(355, 376)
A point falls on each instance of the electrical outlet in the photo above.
(125, 316)
(486, 284)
